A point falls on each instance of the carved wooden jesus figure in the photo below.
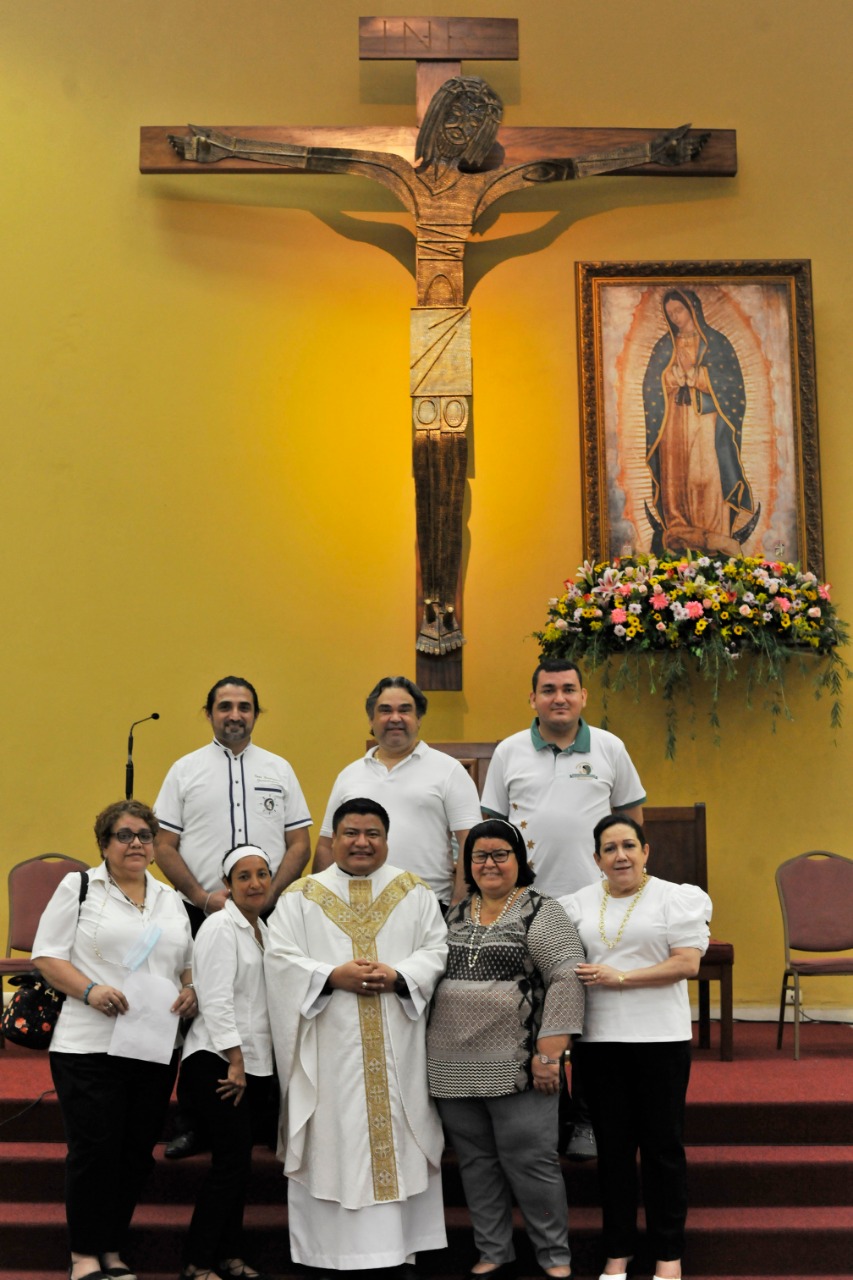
(456, 176)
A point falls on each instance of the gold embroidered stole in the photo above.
(361, 921)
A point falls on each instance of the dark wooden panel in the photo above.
(677, 843)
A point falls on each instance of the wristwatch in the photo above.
(546, 1061)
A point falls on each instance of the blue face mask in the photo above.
(142, 948)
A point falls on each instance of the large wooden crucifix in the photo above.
(446, 172)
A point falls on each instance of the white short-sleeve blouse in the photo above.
(667, 916)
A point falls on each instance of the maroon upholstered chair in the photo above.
(816, 895)
(31, 886)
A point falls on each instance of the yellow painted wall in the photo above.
(206, 457)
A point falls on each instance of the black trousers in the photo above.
(636, 1095)
(216, 1229)
(113, 1110)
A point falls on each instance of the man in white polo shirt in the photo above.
(554, 781)
(428, 795)
(228, 793)
(557, 778)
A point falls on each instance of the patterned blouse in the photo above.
(506, 985)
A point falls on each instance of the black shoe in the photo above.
(185, 1144)
(582, 1145)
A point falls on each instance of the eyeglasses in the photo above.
(499, 856)
(124, 835)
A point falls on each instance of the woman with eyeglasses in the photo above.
(113, 1107)
(497, 1037)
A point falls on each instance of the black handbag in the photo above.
(30, 1016)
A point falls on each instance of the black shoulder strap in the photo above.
(84, 889)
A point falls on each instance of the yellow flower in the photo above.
(725, 615)
(701, 625)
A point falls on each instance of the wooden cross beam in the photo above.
(446, 170)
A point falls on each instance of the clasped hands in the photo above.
(363, 977)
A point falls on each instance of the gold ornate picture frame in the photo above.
(699, 410)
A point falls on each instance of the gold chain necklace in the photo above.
(605, 897)
(476, 926)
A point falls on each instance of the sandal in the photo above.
(237, 1269)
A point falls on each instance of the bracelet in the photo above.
(206, 901)
(188, 986)
(621, 981)
(86, 992)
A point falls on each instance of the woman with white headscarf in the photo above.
(227, 1070)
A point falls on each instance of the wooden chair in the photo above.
(475, 757)
(31, 886)
(677, 838)
(816, 896)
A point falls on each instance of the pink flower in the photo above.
(823, 591)
(659, 601)
(815, 612)
(745, 611)
(694, 609)
(661, 626)
(783, 603)
(618, 615)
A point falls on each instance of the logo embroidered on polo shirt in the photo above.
(269, 797)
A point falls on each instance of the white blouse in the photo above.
(666, 916)
(228, 972)
(109, 927)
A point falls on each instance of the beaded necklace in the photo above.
(140, 906)
(605, 898)
(476, 926)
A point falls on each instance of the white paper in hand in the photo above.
(149, 1027)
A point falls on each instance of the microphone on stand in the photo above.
(128, 769)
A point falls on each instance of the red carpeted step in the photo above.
(746, 1222)
(764, 1175)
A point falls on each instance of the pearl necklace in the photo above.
(605, 898)
(475, 924)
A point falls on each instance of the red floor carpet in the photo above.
(770, 1166)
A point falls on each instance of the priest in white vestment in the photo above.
(353, 955)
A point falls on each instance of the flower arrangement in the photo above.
(703, 614)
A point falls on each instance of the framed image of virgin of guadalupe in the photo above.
(699, 411)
